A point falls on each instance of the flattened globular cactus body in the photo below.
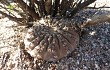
(53, 41)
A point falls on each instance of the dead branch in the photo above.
(7, 10)
(55, 7)
(48, 5)
(63, 7)
(97, 19)
(17, 11)
(43, 7)
(80, 6)
(29, 10)
(95, 7)
(11, 17)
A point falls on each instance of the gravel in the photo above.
(93, 52)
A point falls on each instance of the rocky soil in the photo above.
(93, 52)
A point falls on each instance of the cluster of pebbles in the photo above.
(92, 53)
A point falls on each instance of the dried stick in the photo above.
(96, 7)
(7, 10)
(97, 19)
(81, 6)
(11, 17)
(48, 5)
(23, 6)
(55, 7)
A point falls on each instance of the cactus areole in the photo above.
(51, 40)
